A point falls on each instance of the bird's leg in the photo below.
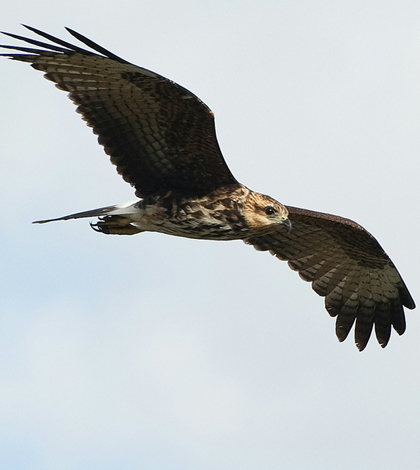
(115, 225)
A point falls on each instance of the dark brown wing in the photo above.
(158, 134)
(348, 267)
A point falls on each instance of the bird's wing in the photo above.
(158, 134)
(348, 267)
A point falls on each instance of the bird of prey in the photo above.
(162, 140)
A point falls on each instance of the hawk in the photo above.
(162, 139)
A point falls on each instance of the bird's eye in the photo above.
(269, 210)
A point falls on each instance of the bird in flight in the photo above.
(162, 139)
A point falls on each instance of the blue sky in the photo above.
(163, 353)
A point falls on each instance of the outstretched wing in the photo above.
(158, 134)
(348, 267)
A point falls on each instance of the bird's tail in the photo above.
(113, 219)
(120, 209)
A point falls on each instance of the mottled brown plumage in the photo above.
(162, 140)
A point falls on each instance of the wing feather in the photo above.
(348, 267)
(159, 135)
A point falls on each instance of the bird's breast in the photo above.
(203, 218)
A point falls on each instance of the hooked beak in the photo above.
(287, 224)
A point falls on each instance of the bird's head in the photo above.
(263, 212)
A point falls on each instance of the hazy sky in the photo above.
(155, 352)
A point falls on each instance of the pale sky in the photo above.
(155, 352)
